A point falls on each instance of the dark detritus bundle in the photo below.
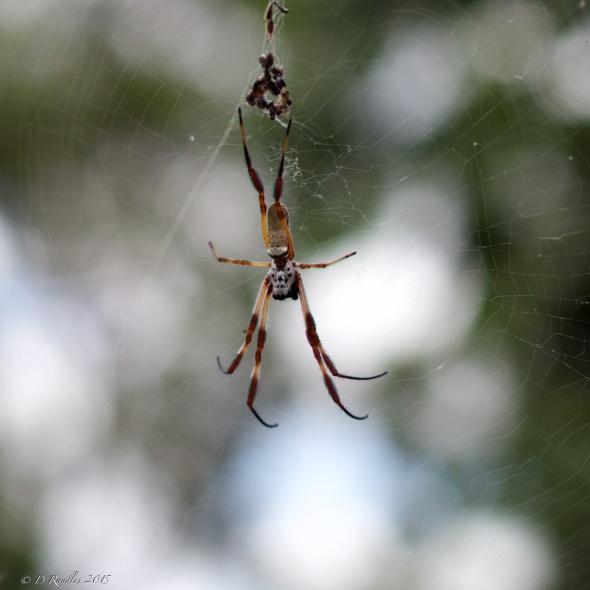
(271, 82)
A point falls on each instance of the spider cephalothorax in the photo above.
(282, 281)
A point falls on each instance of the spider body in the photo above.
(282, 281)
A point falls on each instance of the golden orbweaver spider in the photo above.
(282, 281)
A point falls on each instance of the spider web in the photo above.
(447, 144)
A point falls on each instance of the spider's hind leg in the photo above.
(250, 331)
(258, 357)
(221, 367)
(320, 354)
(337, 373)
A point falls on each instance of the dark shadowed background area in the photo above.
(448, 143)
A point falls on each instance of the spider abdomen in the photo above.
(282, 278)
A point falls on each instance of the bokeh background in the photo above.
(448, 143)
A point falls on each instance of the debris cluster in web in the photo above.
(269, 91)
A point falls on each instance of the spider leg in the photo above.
(322, 264)
(255, 178)
(251, 327)
(258, 357)
(332, 367)
(327, 360)
(234, 261)
(279, 192)
(270, 25)
(319, 353)
(337, 373)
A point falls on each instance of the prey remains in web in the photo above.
(269, 91)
